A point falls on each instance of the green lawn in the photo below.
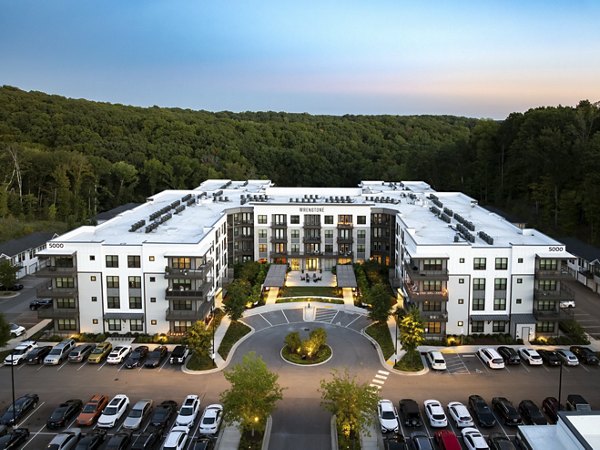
(234, 333)
(310, 291)
(200, 362)
(380, 332)
(410, 362)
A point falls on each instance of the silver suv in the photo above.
(59, 352)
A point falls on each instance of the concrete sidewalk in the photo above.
(12, 343)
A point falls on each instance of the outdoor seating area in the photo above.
(310, 278)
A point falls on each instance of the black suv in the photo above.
(509, 355)
(409, 412)
(585, 355)
(40, 303)
(507, 411)
(551, 407)
(179, 354)
(481, 411)
(531, 413)
(550, 357)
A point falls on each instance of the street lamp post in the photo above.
(12, 380)
(213, 354)
(397, 314)
(559, 384)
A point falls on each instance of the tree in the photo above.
(8, 273)
(293, 342)
(253, 394)
(354, 404)
(379, 298)
(237, 297)
(199, 338)
(412, 332)
(4, 331)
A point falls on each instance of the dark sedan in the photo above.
(63, 413)
(550, 357)
(481, 411)
(509, 355)
(499, 441)
(585, 355)
(156, 356)
(36, 304)
(148, 439)
(92, 441)
(22, 406)
(507, 411)
(119, 441)
(531, 413)
(14, 439)
(551, 407)
(37, 355)
(136, 357)
(163, 413)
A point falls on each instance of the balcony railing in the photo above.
(564, 293)
(175, 293)
(418, 296)
(199, 273)
(311, 239)
(55, 292)
(183, 314)
(546, 314)
(554, 274)
(279, 239)
(345, 240)
(58, 313)
(416, 274)
(437, 316)
(54, 271)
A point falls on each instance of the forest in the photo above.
(66, 159)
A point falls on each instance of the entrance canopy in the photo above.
(345, 276)
(275, 276)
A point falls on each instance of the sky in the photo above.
(483, 58)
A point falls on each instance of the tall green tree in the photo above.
(4, 331)
(378, 296)
(253, 394)
(8, 273)
(199, 338)
(237, 296)
(354, 404)
(412, 330)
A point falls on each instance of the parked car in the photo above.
(92, 410)
(409, 412)
(550, 406)
(566, 304)
(203, 443)
(531, 356)
(114, 411)
(510, 355)
(447, 440)
(19, 353)
(506, 410)
(59, 352)
(63, 413)
(22, 406)
(576, 402)
(179, 354)
(473, 439)
(460, 415)
(14, 438)
(92, 441)
(483, 413)
(531, 414)
(148, 439)
(66, 440)
(436, 360)
(189, 411)
(176, 439)
(100, 352)
(568, 357)
(550, 357)
(140, 411)
(420, 441)
(16, 330)
(499, 441)
(388, 416)
(37, 355)
(81, 352)
(491, 358)
(136, 357)
(118, 354)
(38, 303)
(14, 287)
(163, 413)
(585, 355)
(211, 419)
(119, 441)
(435, 413)
(156, 356)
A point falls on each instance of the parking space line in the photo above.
(525, 367)
(81, 365)
(163, 364)
(32, 437)
(358, 316)
(102, 365)
(30, 414)
(286, 318)
(270, 324)
(584, 368)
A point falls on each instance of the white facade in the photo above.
(160, 275)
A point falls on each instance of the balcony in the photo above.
(279, 239)
(176, 294)
(416, 274)
(554, 274)
(200, 273)
(416, 295)
(546, 314)
(54, 271)
(564, 293)
(183, 314)
(58, 313)
(311, 239)
(345, 240)
(436, 316)
(344, 225)
(56, 292)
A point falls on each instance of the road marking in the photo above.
(383, 372)
(286, 318)
(270, 324)
(102, 365)
(79, 368)
(357, 317)
(63, 365)
(31, 438)
(163, 364)
(584, 368)
(375, 386)
(375, 380)
(525, 367)
(381, 377)
(333, 318)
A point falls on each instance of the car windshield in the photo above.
(438, 416)
(135, 413)
(186, 411)
(211, 420)
(89, 408)
(155, 354)
(58, 413)
(55, 351)
(19, 351)
(98, 350)
(387, 415)
(110, 411)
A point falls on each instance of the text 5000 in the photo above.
(55, 245)
(556, 249)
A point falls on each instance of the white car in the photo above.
(16, 330)
(460, 414)
(474, 440)
(568, 357)
(176, 439)
(113, 411)
(491, 357)
(436, 360)
(435, 413)
(531, 356)
(211, 419)
(118, 354)
(188, 411)
(18, 355)
(388, 416)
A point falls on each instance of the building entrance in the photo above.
(312, 263)
(295, 264)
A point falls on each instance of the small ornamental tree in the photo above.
(379, 298)
(412, 332)
(199, 338)
(237, 297)
(4, 331)
(293, 342)
(8, 273)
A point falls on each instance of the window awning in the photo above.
(490, 317)
(523, 318)
(124, 316)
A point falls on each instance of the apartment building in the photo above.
(162, 265)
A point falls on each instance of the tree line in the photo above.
(67, 159)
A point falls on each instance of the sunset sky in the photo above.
(478, 59)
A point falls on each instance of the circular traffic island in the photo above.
(322, 355)
(306, 352)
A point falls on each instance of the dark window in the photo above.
(478, 304)
(499, 326)
(114, 324)
(135, 303)
(67, 324)
(112, 282)
(295, 219)
(477, 326)
(500, 284)
(112, 261)
(499, 304)
(113, 302)
(135, 282)
(133, 261)
(136, 325)
(328, 220)
(479, 284)
(361, 220)
(479, 264)
(501, 263)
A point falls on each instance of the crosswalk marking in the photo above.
(383, 372)
(375, 386)
(381, 377)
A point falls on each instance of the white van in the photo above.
(59, 352)
(491, 358)
(436, 360)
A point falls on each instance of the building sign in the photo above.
(556, 248)
(313, 209)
